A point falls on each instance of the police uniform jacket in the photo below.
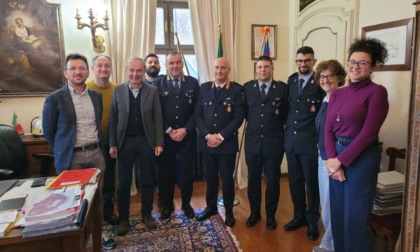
(300, 133)
(223, 116)
(265, 118)
(178, 109)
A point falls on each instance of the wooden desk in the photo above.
(71, 241)
(33, 165)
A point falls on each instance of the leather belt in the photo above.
(86, 147)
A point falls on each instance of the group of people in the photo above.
(329, 135)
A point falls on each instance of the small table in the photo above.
(70, 241)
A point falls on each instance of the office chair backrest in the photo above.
(12, 152)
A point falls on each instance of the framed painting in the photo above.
(31, 48)
(261, 34)
(397, 36)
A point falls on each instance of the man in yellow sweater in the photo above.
(102, 69)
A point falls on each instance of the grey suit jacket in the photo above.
(59, 124)
(150, 110)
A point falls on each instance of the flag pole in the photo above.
(180, 52)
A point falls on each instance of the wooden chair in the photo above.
(388, 226)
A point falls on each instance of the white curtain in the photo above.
(131, 32)
(206, 15)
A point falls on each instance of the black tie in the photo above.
(300, 85)
(263, 86)
(176, 85)
(218, 91)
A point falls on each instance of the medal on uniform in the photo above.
(277, 112)
(313, 109)
(229, 109)
(210, 103)
(190, 100)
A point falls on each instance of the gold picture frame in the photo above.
(32, 48)
(257, 39)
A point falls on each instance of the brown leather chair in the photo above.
(13, 156)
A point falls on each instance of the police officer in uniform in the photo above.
(178, 96)
(219, 114)
(266, 112)
(305, 99)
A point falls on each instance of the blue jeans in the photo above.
(352, 200)
(327, 241)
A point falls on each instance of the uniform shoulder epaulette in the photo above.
(281, 82)
(236, 84)
(249, 82)
(293, 75)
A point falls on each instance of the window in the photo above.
(174, 18)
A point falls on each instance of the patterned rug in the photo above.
(177, 234)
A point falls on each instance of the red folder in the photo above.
(72, 178)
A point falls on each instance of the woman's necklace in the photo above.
(342, 105)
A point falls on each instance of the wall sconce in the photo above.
(97, 40)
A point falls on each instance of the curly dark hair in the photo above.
(374, 47)
(335, 67)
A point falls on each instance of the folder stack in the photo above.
(389, 193)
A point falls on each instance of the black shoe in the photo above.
(112, 219)
(167, 211)
(313, 233)
(188, 211)
(149, 222)
(271, 223)
(122, 228)
(206, 214)
(295, 224)
(253, 219)
(230, 220)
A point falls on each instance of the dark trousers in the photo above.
(271, 164)
(303, 171)
(225, 164)
(186, 150)
(108, 188)
(135, 147)
(352, 200)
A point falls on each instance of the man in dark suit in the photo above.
(178, 96)
(305, 98)
(266, 112)
(135, 131)
(219, 114)
(72, 124)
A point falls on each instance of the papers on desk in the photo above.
(7, 219)
(389, 193)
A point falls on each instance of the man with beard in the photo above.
(305, 98)
(152, 68)
(178, 95)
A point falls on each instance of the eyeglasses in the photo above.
(361, 64)
(81, 69)
(328, 77)
(300, 61)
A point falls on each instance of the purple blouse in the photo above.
(358, 112)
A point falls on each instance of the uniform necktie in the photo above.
(176, 85)
(263, 86)
(218, 91)
(300, 85)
